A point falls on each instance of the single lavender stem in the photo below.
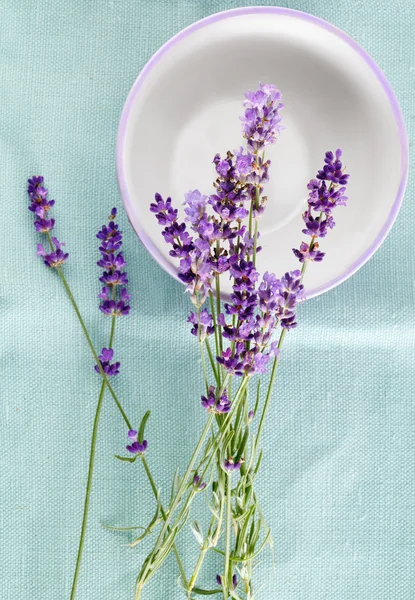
(269, 391)
(228, 572)
(212, 362)
(255, 241)
(90, 474)
(196, 571)
(202, 354)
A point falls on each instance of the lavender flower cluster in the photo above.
(325, 193)
(40, 205)
(114, 295)
(213, 240)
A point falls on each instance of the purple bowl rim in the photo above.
(122, 183)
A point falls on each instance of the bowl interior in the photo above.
(185, 107)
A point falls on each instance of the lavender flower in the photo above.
(105, 359)
(202, 325)
(333, 169)
(261, 122)
(234, 581)
(322, 199)
(136, 447)
(114, 295)
(40, 206)
(212, 404)
(309, 252)
(56, 258)
(198, 484)
(230, 465)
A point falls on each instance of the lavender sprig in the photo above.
(326, 192)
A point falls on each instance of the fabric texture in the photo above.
(338, 480)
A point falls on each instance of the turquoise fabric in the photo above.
(338, 482)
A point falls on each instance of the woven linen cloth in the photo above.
(338, 479)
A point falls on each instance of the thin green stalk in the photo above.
(255, 241)
(269, 391)
(198, 566)
(228, 572)
(91, 346)
(218, 312)
(205, 377)
(216, 326)
(212, 361)
(90, 474)
(88, 491)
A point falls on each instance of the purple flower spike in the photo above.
(333, 169)
(114, 295)
(40, 206)
(218, 579)
(105, 359)
(234, 582)
(324, 195)
(44, 225)
(261, 122)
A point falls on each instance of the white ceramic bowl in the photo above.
(185, 104)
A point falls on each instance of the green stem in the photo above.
(202, 354)
(198, 566)
(255, 240)
(269, 391)
(88, 490)
(91, 346)
(90, 474)
(228, 572)
(212, 361)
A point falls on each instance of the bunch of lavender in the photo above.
(219, 238)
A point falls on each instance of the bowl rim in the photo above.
(274, 10)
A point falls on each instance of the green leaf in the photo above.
(201, 592)
(154, 521)
(144, 420)
(242, 445)
(197, 532)
(244, 529)
(126, 458)
(257, 397)
(258, 462)
(114, 528)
